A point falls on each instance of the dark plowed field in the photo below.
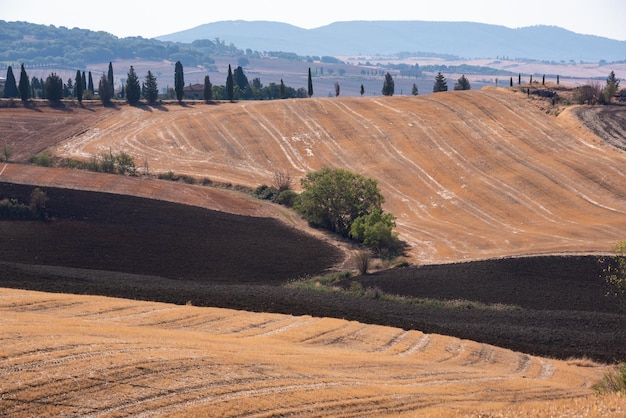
(122, 246)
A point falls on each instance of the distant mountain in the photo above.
(462, 39)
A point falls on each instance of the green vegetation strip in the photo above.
(332, 283)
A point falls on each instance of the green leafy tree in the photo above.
(388, 85)
(441, 84)
(310, 84)
(133, 89)
(79, 87)
(179, 80)
(24, 85)
(150, 90)
(462, 84)
(375, 230)
(111, 81)
(54, 88)
(334, 198)
(208, 89)
(230, 85)
(10, 85)
(414, 90)
(104, 90)
(615, 272)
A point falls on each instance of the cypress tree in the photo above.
(310, 90)
(179, 80)
(111, 81)
(54, 88)
(282, 89)
(511, 82)
(24, 85)
(208, 89)
(90, 84)
(79, 87)
(104, 90)
(464, 84)
(414, 90)
(230, 85)
(440, 83)
(388, 85)
(10, 85)
(363, 89)
(150, 88)
(133, 89)
(84, 81)
(337, 88)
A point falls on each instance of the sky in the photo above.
(124, 18)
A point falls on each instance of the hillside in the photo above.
(469, 175)
(462, 39)
(67, 355)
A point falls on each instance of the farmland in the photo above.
(473, 177)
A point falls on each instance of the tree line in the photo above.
(236, 87)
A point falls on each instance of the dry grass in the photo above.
(94, 356)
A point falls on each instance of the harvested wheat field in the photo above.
(65, 355)
(469, 175)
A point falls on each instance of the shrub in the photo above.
(168, 175)
(42, 159)
(614, 272)
(265, 192)
(38, 200)
(613, 381)
(286, 198)
(125, 164)
(282, 181)
(375, 230)
(362, 259)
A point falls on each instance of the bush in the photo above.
(286, 198)
(265, 192)
(375, 230)
(42, 159)
(362, 259)
(614, 272)
(13, 209)
(614, 381)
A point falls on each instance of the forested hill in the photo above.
(32, 44)
(462, 39)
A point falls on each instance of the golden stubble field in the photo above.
(88, 356)
(469, 175)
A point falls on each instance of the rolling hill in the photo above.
(469, 175)
(462, 39)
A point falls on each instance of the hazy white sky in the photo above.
(157, 17)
